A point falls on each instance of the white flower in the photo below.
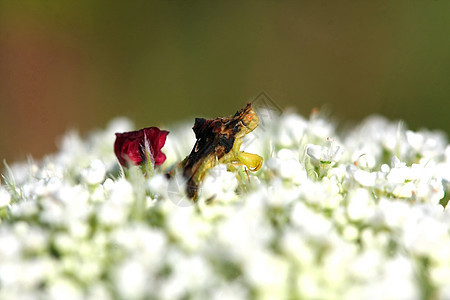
(268, 273)
(314, 225)
(116, 208)
(34, 239)
(219, 184)
(232, 290)
(95, 173)
(158, 185)
(398, 280)
(393, 213)
(374, 240)
(406, 190)
(53, 212)
(350, 232)
(245, 228)
(189, 274)
(187, 227)
(363, 159)
(366, 265)
(296, 247)
(62, 288)
(315, 222)
(333, 186)
(24, 209)
(430, 191)
(286, 164)
(291, 130)
(131, 280)
(319, 128)
(315, 192)
(113, 213)
(10, 245)
(366, 179)
(427, 144)
(396, 163)
(146, 243)
(121, 192)
(324, 155)
(443, 171)
(5, 197)
(360, 204)
(98, 292)
(424, 235)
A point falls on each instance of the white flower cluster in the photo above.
(353, 215)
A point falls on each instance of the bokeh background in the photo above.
(78, 64)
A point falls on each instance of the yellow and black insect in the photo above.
(218, 142)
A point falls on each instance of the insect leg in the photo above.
(252, 161)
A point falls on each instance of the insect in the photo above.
(218, 142)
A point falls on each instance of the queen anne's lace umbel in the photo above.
(354, 215)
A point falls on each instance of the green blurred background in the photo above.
(78, 64)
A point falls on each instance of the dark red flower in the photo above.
(130, 146)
